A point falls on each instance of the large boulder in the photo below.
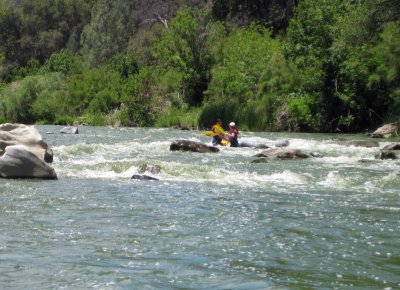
(14, 134)
(192, 146)
(19, 162)
(282, 153)
(24, 153)
(388, 130)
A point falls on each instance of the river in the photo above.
(211, 221)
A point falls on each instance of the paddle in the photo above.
(210, 133)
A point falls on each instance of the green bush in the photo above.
(31, 99)
(251, 80)
(63, 61)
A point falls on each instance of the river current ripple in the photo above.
(211, 221)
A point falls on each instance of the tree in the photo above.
(366, 49)
(250, 79)
(109, 30)
(309, 40)
(186, 47)
(38, 28)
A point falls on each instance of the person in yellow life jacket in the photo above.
(217, 128)
(233, 134)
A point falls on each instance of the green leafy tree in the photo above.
(309, 40)
(387, 71)
(109, 30)
(38, 28)
(366, 49)
(250, 80)
(185, 47)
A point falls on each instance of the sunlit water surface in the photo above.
(211, 221)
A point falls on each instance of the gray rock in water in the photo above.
(282, 153)
(143, 177)
(393, 146)
(69, 130)
(19, 162)
(386, 154)
(192, 146)
(247, 144)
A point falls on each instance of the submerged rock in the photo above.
(143, 177)
(192, 146)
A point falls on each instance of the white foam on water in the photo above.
(335, 180)
(229, 167)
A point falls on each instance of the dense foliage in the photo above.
(302, 65)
